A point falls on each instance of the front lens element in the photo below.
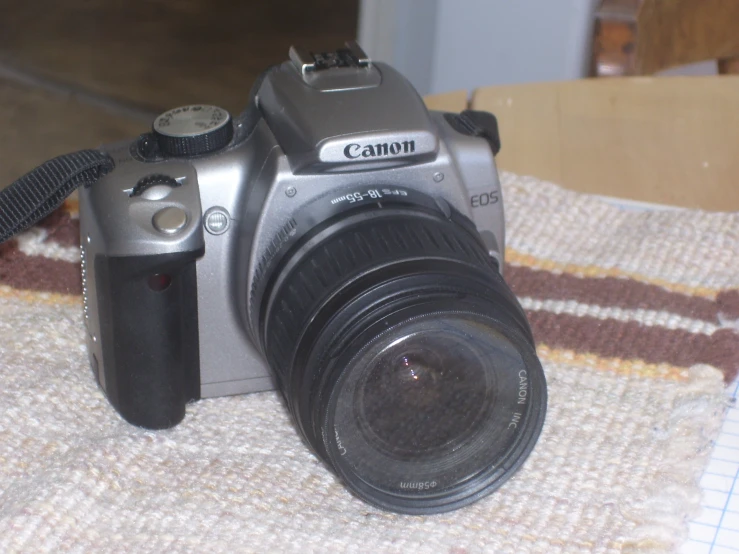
(423, 394)
(432, 405)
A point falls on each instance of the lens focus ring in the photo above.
(353, 251)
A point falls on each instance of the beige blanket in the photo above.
(635, 316)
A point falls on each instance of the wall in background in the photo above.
(401, 33)
(445, 45)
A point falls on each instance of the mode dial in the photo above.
(193, 130)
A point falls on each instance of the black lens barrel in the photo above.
(347, 280)
(351, 253)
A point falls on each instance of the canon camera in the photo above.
(337, 242)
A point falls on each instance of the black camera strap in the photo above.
(39, 192)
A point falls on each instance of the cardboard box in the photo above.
(665, 140)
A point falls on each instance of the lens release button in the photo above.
(169, 220)
(217, 220)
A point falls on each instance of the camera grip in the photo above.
(149, 331)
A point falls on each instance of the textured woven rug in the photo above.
(635, 315)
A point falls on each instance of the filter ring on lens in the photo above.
(504, 460)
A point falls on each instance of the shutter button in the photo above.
(169, 220)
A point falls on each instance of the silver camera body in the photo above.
(322, 134)
(337, 242)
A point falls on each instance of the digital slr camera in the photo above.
(339, 243)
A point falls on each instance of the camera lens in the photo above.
(404, 358)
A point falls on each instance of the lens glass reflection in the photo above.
(429, 404)
(423, 393)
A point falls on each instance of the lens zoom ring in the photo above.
(350, 252)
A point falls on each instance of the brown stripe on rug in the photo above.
(608, 291)
(607, 337)
(630, 340)
(62, 228)
(20, 271)
(514, 257)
